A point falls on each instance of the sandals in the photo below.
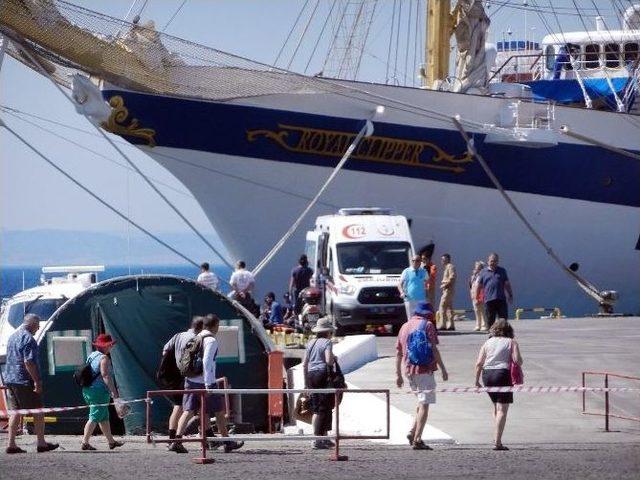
(420, 445)
(115, 444)
(12, 450)
(47, 447)
(87, 446)
(500, 447)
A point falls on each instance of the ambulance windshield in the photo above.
(360, 258)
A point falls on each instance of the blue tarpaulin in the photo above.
(569, 91)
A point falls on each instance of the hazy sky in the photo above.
(33, 195)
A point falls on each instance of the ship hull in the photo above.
(254, 164)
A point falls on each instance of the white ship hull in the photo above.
(252, 180)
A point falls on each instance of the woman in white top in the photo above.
(494, 363)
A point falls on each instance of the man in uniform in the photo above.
(447, 287)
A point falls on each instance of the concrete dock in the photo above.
(547, 435)
(555, 353)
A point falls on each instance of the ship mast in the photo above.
(439, 29)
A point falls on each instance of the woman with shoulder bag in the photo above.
(317, 364)
(99, 392)
(497, 363)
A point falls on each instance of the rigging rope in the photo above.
(130, 162)
(366, 130)
(95, 196)
(175, 14)
(393, 24)
(304, 32)
(324, 26)
(589, 288)
(295, 24)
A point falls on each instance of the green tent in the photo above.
(142, 313)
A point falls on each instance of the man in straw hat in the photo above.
(318, 359)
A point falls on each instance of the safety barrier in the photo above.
(202, 439)
(607, 412)
(554, 311)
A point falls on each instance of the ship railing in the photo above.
(337, 436)
(607, 414)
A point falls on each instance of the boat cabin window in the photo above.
(591, 55)
(44, 308)
(630, 52)
(550, 57)
(386, 258)
(612, 55)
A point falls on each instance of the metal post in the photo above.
(336, 456)
(148, 415)
(203, 431)
(584, 394)
(606, 402)
(388, 395)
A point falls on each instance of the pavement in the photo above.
(547, 436)
(555, 353)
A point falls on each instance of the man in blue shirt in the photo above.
(412, 285)
(275, 310)
(22, 379)
(494, 282)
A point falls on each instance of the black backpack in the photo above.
(168, 375)
(84, 375)
(190, 362)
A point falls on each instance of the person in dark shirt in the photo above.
(24, 383)
(273, 314)
(300, 279)
(494, 282)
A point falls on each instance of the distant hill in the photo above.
(55, 247)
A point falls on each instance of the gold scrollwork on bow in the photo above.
(333, 143)
(119, 123)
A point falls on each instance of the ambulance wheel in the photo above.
(340, 331)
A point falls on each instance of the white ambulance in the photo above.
(357, 257)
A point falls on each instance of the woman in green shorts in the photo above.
(99, 393)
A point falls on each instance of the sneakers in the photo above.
(322, 444)
(47, 447)
(420, 445)
(86, 446)
(231, 446)
(177, 447)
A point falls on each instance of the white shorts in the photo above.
(410, 306)
(423, 381)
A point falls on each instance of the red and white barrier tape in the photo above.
(31, 411)
(525, 388)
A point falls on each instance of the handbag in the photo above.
(302, 410)
(336, 378)
(517, 375)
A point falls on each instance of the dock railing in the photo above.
(204, 418)
(607, 400)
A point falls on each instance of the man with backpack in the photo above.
(198, 365)
(169, 376)
(418, 355)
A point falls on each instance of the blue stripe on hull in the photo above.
(571, 171)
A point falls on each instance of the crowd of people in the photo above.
(489, 289)
(189, 357)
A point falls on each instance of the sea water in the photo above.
(12, 278)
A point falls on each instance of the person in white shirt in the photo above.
(242, 283)
(214, 404)
(207, 278)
